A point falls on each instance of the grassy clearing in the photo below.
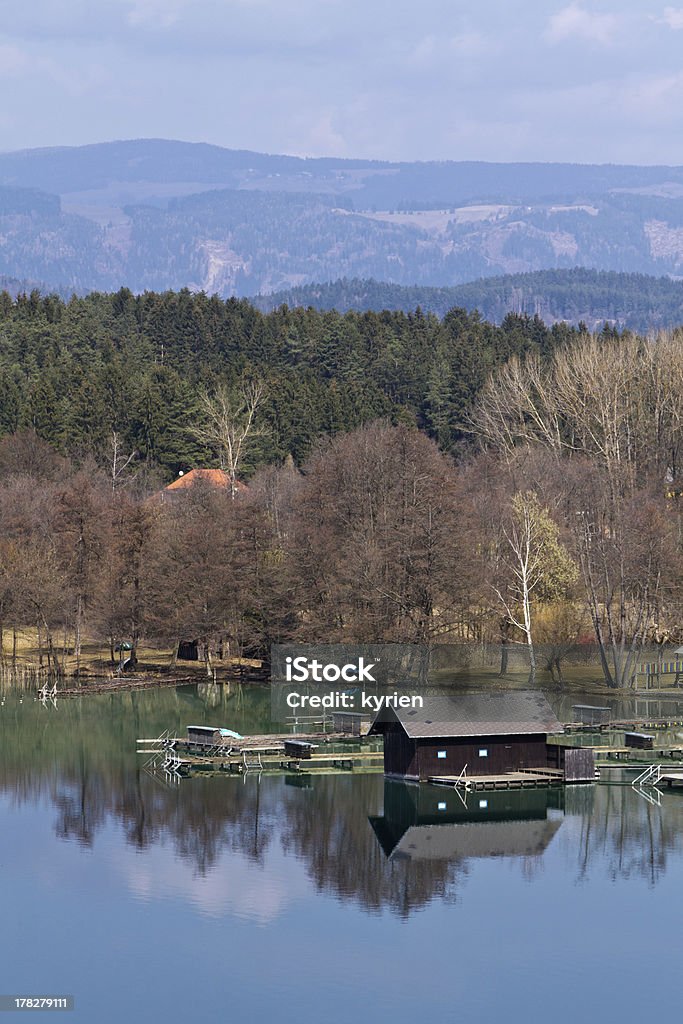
(96, 661)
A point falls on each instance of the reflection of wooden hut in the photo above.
(484, 733)
(591, 714)
(353, 723)
(639, 740)
(432, 823)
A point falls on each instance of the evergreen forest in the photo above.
(81, 371)
(388, 477)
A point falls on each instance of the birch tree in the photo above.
(534, 565)
(230, 426)
(118, 461)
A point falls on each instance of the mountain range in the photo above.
(157, 215)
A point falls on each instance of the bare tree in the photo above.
(626, 552)
(616, 401)
(534, 564)
(230, 426)
(378, 546)
(118, 460)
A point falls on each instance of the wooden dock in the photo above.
(624, 725)
(256, 759)
(673, 753)
(528, 778)
(257, 753)
(671, 778)
(266, 742)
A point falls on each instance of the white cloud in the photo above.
(672, 17)
(575, 22)
(655, 98)
(234, 885)
(435, 51)
(18, 63)
(13, 61)
(154, 13)
(473, 44)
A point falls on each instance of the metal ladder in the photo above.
(649, 777)
(463, 781)
(253, 764)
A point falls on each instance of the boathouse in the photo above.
(477, 733)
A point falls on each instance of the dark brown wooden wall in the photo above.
(400, 753)
(505, 753)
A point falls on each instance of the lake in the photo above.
(329, 898)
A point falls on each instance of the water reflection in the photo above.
(230, 842)
(422, 822)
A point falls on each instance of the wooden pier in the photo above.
(255, 759)
(527, 778)
(671, 778)
(624, 725)
(272, 752)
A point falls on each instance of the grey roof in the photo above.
(473, 714)
(483, 839)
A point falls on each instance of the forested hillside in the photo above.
(84, 371)
(557, 535)
(159, 215)
(634, 301)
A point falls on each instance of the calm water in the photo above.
(328, 899)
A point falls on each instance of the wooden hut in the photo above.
(482, 733)
(206, 736)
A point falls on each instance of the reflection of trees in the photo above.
(80, 759)
(627, 835)
(329, 829)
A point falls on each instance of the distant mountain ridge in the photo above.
(157, 214)
(76, 168)
(634, 301)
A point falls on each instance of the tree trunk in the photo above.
(504, 656)
(77, 638)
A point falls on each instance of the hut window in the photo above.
(483, 752)
(442, 805)
(441, 753)
(483, 804)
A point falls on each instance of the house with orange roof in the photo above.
(216, 479)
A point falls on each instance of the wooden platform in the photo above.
(272, 742)
(671, 779)
(625, 753)
(624, 725)
(531, 778)
(260, 759)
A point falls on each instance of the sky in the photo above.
(494, 80)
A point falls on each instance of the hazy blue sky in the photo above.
(396, 79)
